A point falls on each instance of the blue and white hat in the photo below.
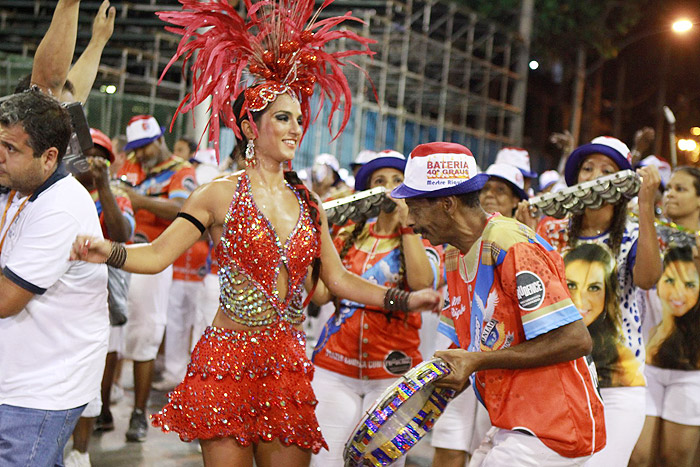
(387, 158)
(142, 130)
(511, 175)
(440, 169)
(606, 145)
(517, 157)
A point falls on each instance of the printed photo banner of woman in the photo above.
(674, 343)
(591, 274)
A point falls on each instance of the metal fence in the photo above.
(440, 73)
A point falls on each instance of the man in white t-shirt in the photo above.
(53, 312)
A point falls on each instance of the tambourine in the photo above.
(358, 206)
(400, 417)
(592, 194)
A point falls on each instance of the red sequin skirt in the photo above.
(249, 385)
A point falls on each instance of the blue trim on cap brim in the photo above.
(473, 184)
(138, 143)
(366, 170)
(527, 174)
(573, 163)
(516, 189)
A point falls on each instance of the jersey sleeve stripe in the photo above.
(549, 318)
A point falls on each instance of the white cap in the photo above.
(363, 157)
(439, 169)
(142, 130)
(206, 156)
(329, 160)
(517, 157)
(549, 177)
(510, 174)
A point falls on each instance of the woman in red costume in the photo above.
(247, 394)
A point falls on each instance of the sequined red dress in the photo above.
(252, 385)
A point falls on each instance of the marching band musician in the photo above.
(522, 339)
(363, 349)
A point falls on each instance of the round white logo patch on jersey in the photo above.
(530, 290)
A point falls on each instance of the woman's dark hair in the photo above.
(604, 354)
(617, 227)
(681, 349)
(605, 329)
(290, 176)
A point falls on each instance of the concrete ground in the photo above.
(166, 450)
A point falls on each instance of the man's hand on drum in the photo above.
(90, 249)
(462, 364)
(424, 300)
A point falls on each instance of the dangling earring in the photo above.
(250, 160)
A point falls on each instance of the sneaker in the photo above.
(165, 385)
(138, 426)
(116, 393)
(104, 423)
(77, 459)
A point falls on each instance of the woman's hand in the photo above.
(90, 249)
(424, 300)
(525, 215)
(401, 209)
(650, 187)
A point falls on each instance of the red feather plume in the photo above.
(281, 45)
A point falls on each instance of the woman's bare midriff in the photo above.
(223, 321)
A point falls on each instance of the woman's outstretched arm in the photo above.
(151, 258)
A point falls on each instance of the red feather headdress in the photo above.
(281, 45)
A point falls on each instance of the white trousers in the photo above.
(342, 402)
(206, 307)
(182, 306)
(463, 424)
(624, 419)
(511, 448)
(148, 313)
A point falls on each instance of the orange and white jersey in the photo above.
(509, 288)
(367, 342)
(192, 265)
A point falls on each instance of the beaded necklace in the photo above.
(669, 224)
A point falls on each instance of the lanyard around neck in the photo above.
(4, 215)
